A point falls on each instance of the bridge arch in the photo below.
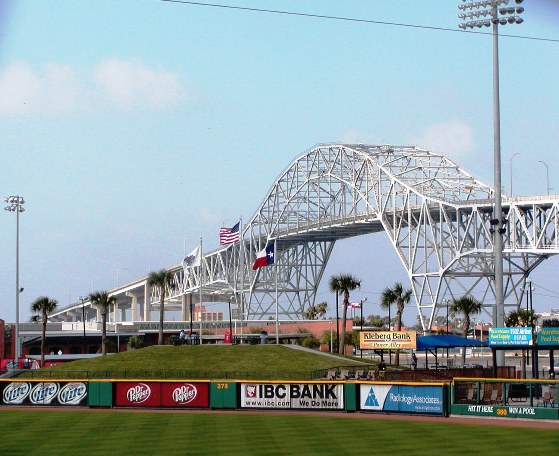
(436, 215)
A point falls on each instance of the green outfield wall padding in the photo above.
(350, 397)
(223, 395)
(100, 394)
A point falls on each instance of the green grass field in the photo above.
(80, 432)
(200, 361)
(60, 433)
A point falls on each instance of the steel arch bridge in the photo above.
(436, 214)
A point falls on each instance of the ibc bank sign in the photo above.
(323, 396)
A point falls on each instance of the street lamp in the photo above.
(510, 169)
(546, 175)
(331, 341)
(230, 324)
(480, 14)
(361, 307)
(15, 204)
(447, 302)
(82, 300)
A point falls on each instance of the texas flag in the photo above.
(264, 257)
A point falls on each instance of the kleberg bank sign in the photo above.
(402, 398)
(320, 396)
(394, 340)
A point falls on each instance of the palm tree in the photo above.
(162, 280)
(103, 300)
(522, 317)
(43, 306)
(467, 306)
(400, 297)
(316, 312)
(343, 284)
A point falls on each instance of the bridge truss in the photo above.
(436, 214)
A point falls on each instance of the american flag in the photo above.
(229, 235)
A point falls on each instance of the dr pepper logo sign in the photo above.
(161, 394)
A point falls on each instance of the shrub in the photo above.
(136, 342)
(310, 342)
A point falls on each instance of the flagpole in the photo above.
(276, 280)
(201, 285)
(240, 304)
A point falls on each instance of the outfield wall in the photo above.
(367, 397)
(498, 398)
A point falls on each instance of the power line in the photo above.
(351, 19)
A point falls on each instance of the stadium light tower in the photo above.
(478, 15)
(15, 204)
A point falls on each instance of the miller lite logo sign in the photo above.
(185, 394)
(72, 393)
(16, 392)
(138, 393)
(43, 393)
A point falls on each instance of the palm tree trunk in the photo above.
(341, 346)
(42, 343)
(337, 324)
(104, 334)
(161, 314)
(467, 323)
(398, 328)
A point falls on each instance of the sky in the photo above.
(135, 128)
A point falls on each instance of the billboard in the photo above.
(401, 398)
(500, 337)
(307, 396)
(548, 336)
(387, 340)
(161, 394)
(44, 393)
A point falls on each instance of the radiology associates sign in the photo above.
(393, 340)
(312, 396)
(401, 398)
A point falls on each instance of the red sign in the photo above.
(227, 338)
(137, 394)
(184, 395)
(164, 394)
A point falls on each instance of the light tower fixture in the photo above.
(15, 204)
(485, 13)
(546, 175)
(478, 14)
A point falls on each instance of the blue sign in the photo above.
(402, 398)
(548, 336)
(500, 337)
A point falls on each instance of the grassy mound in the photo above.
(198, 362)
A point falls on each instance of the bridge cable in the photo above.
(350, 19)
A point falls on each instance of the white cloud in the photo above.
(132, 84)
(453, 139)
(61, 89)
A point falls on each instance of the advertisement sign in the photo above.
(548, 336)
(161, 394)
(402, 398)
(44, 393)
(384, 340)
(182, 394)
(499, 337)
(308, 396)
